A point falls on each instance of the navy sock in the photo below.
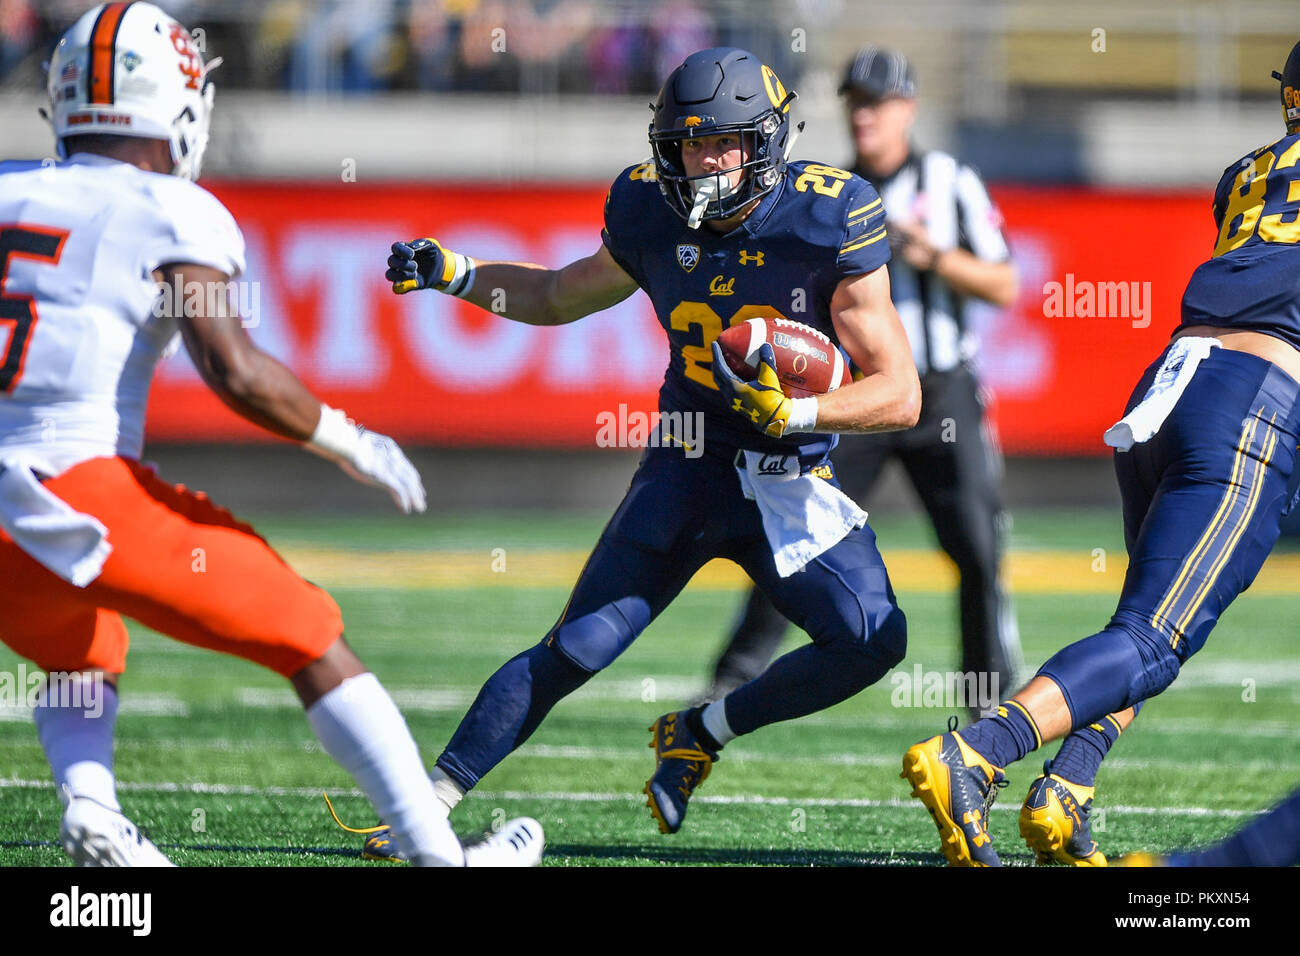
(507, 710)
(1082, 752)
(1004, 738)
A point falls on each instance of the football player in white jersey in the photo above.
(87, 533)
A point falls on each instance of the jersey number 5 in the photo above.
(18, 312)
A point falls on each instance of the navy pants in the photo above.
(959, 483)
(1203, 499)
(677, 515)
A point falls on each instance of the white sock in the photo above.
(362, 729)
(78, 741)
(714, 719)
(448, 790)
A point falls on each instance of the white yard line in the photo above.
(587, 797)
(133, 705)
(735, 755)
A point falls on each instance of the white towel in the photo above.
(1149, 414)
(802, 515)
(71, 544)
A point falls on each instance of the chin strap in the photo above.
(789, 146)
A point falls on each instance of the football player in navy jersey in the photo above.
(718, 228)
(949, 252)
(1203, 457)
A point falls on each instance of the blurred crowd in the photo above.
(361, 46)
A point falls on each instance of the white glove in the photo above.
(369, 457)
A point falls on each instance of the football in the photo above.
(807, 362)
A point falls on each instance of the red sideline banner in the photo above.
(1102, 274)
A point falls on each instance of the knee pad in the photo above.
(888, 643)
(592, 641)
(872, 644)
(1111, 670)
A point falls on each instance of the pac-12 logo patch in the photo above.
(688, 256)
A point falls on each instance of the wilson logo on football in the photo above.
(801, 346)
(802, 329)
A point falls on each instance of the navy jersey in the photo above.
(1252, 282)
(817, 227)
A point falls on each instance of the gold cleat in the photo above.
(1054, 822)
(958, 787)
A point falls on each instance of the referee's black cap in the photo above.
(879, 74)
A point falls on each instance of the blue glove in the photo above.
(425, 264)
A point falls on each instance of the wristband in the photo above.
(803, 415)
(335, 437)
(462, 276)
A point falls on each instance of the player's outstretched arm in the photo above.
(521, 291)
(257, 387)
(889, 397)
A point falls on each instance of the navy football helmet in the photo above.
(1290, 77)
(723, 90)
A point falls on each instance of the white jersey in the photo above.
(79, 337)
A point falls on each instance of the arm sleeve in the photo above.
(863, 246)
(194, 227)
(979, 221)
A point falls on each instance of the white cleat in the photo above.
(518, 843)
(94, 835)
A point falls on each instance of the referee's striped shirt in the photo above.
(950, 200)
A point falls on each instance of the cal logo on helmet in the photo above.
(721, 90)
(775, 89)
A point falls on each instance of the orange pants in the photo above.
(180, 565)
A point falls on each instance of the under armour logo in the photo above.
(746, 258)
(972, 818)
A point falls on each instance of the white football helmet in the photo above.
(129, 69)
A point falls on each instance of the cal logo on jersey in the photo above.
(688, 256)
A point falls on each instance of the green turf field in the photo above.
(217, 764)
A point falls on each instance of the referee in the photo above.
(948, 248)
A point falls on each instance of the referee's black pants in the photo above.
(956, 469)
